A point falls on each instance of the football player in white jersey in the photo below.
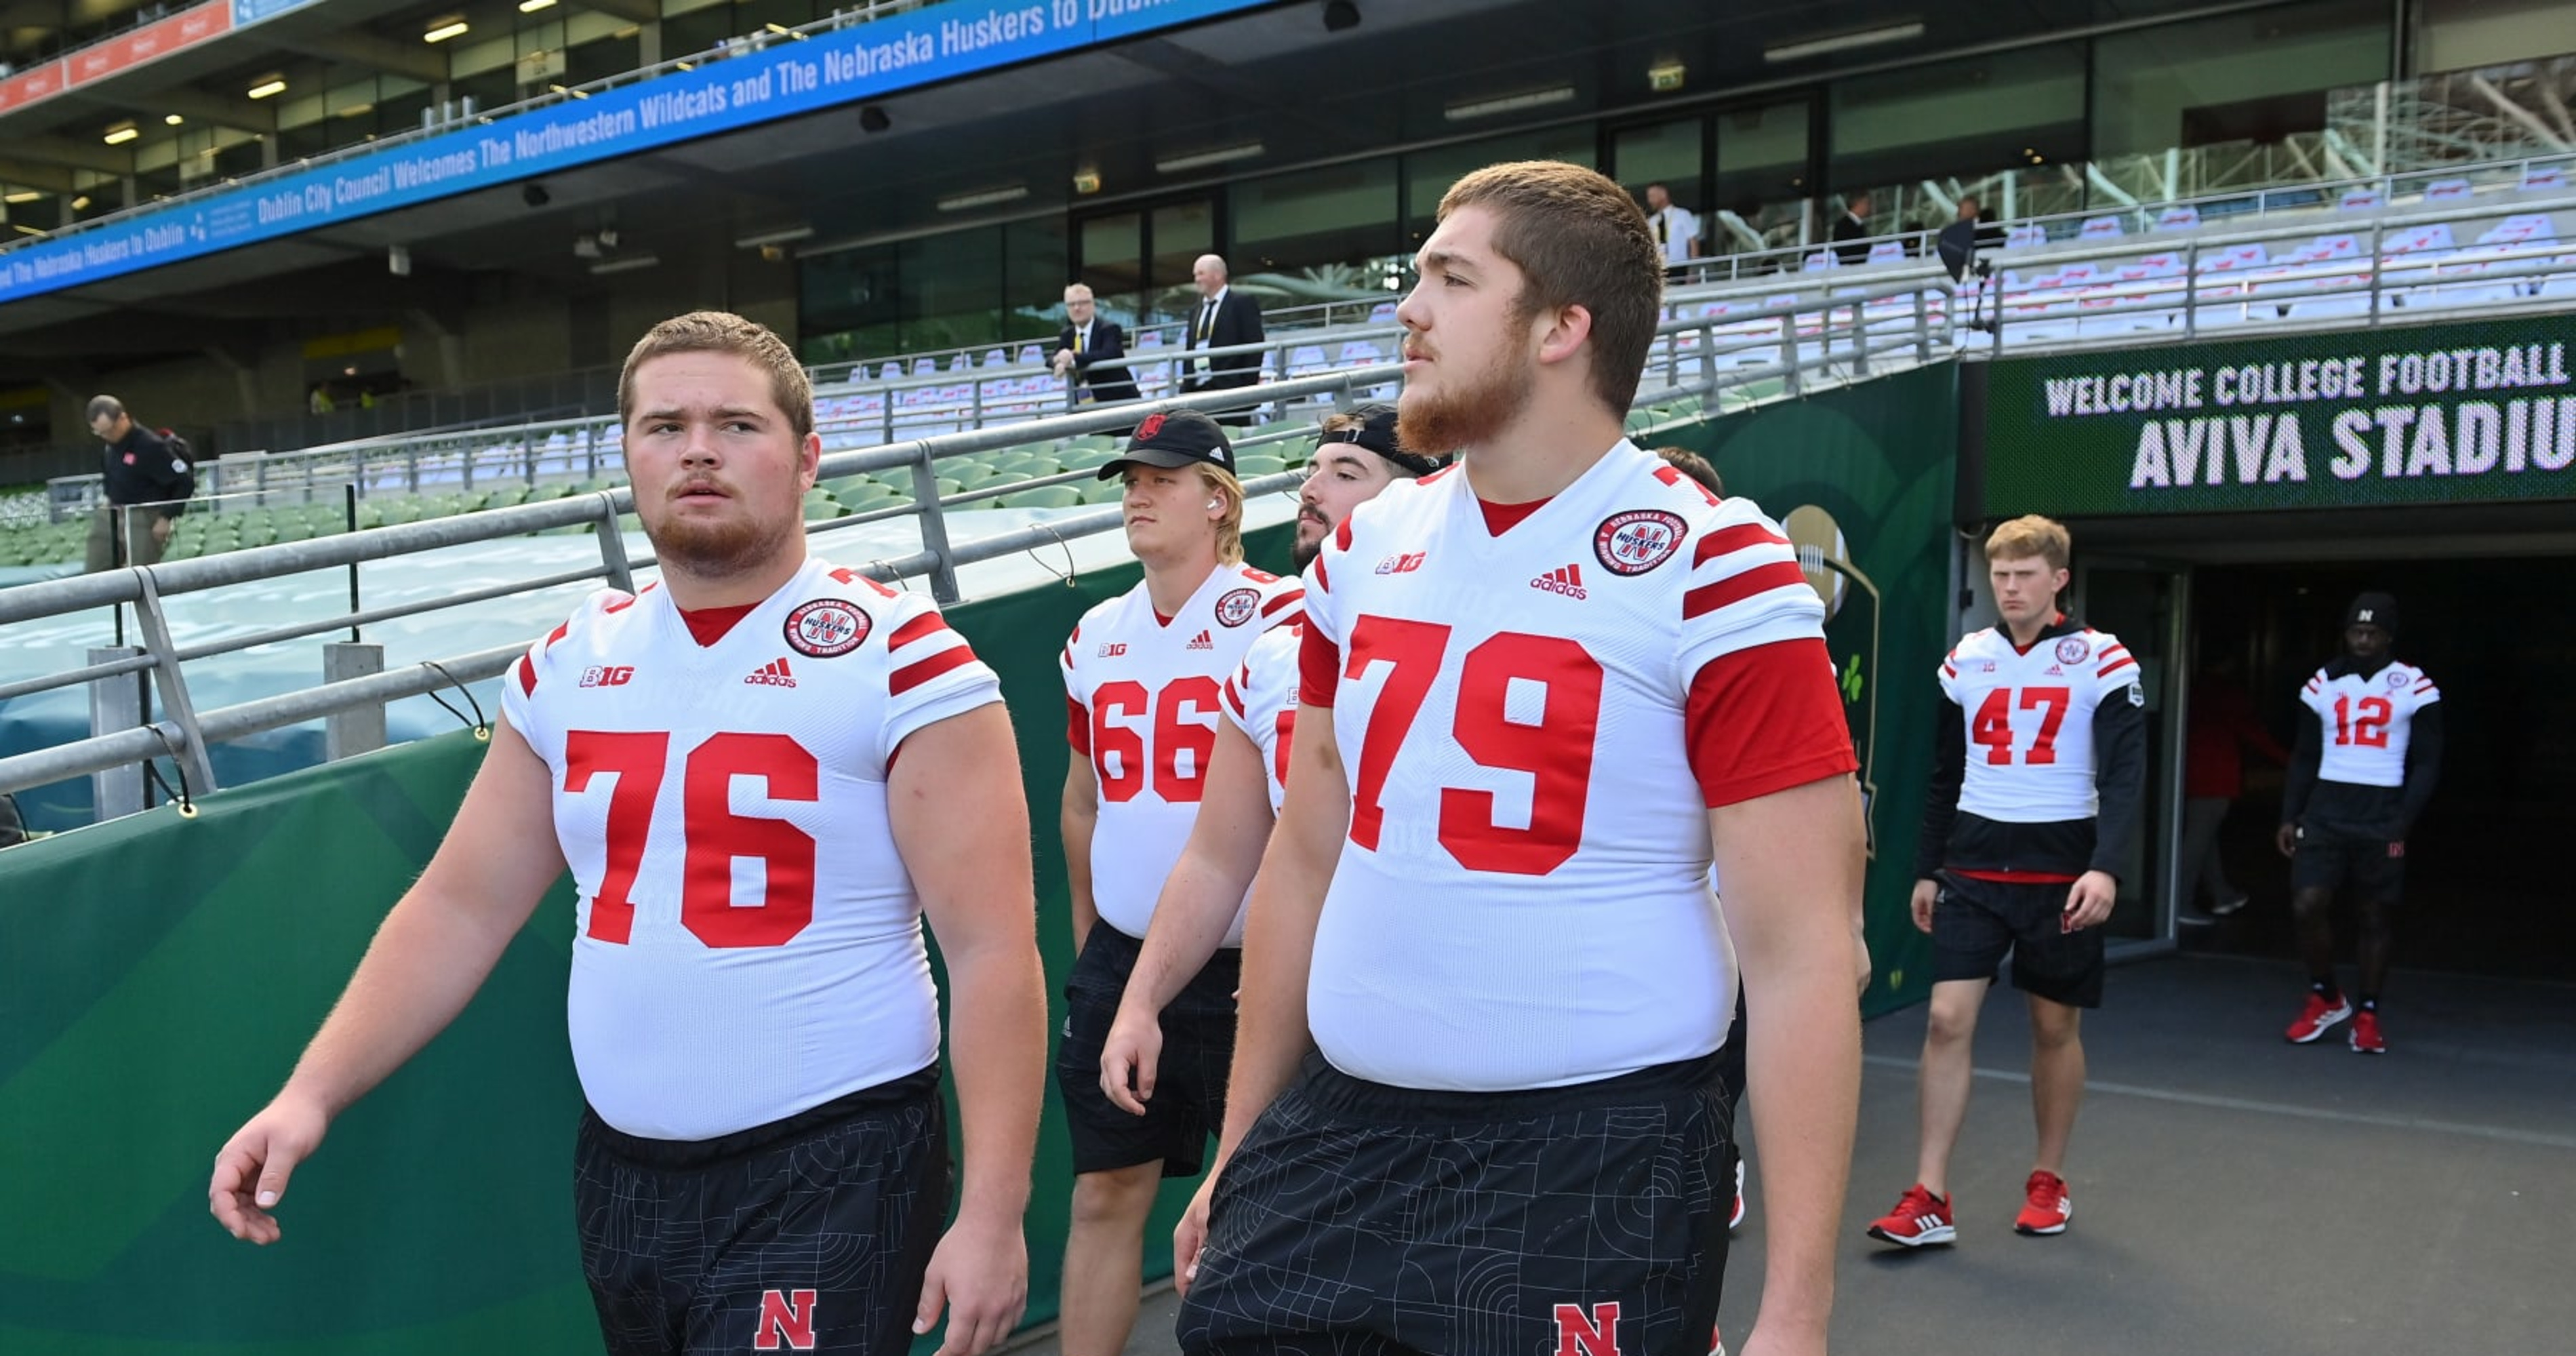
(1144, 677)
(763, 772)
(2359, 777)
(2037, 783)
(1202, 899)
(1474, 1095)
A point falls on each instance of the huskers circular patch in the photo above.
(1638, 540)
(1236, 608)
(2073, 650)
(827, 627)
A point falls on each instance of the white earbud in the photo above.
(1216, 503)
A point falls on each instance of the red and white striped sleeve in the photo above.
(931, 672)
(2114, 668)
(1762, 713)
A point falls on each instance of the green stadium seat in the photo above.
(1050, 496)
(1252, 464)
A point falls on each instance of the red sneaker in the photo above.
(1920, 1220)
(2047, 1208)
(2318, 1017)
(2366, 1039)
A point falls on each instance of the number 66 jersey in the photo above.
(1535, 708)
(748, 942)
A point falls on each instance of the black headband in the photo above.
(1383, 443)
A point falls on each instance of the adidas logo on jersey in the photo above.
(774, 675)
(1201, 642)
(1564, 579)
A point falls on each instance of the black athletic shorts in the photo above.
(1188, 1105)
(1358, 1219)
(2327, 858)
(806, 1234)
(1976, 923)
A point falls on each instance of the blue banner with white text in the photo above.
(784, 79)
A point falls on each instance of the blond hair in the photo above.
(725, 332)
(1229, 529)
(1578, 240)
(2031, 535)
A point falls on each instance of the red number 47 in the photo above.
(1993, 726)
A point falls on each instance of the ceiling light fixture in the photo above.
(172, 119)
(785, 235)
(22, 195)
(440, 30)
(1666, 76)
(268, 85)
(1843, 42)
(532, 6)
(628, 264)
(991, 197)
(1249, 150)
(81, 203)
(1510, 103)
(122, 133)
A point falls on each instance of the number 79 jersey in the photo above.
(748, 940)
(1535, 717)
(2029, 717)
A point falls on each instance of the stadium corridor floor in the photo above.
(2234, 1193)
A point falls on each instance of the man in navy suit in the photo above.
(1223, 318)
(1086, 339)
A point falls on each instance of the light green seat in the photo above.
(1050, 496)
(1252, 464)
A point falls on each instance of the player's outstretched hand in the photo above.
(1128, 1059)
(2286, 838)
(2089, 900)
(252, 1167)
(1924, 893)
(1189, 1237)
(980, 1275)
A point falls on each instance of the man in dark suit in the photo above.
(1853, 226)
(1960, 241)
(1222, 319)
(1087, 339)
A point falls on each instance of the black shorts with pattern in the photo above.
(1359, 1219)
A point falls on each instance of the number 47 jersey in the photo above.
(2029, 717)
(748, 939)
(1535, 711)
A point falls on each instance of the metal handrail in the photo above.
(190, 734)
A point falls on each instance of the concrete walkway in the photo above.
(2234, 1194)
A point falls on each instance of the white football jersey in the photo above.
(1261, 701)
(2029, 717)
(2368, 722)
(748, 942)
(1144, 697)
(1524, 898)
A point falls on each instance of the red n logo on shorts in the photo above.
(790, 1317)
(1595, 1336)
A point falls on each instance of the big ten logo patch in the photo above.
(613, 676)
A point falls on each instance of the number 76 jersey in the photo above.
(748, 938)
